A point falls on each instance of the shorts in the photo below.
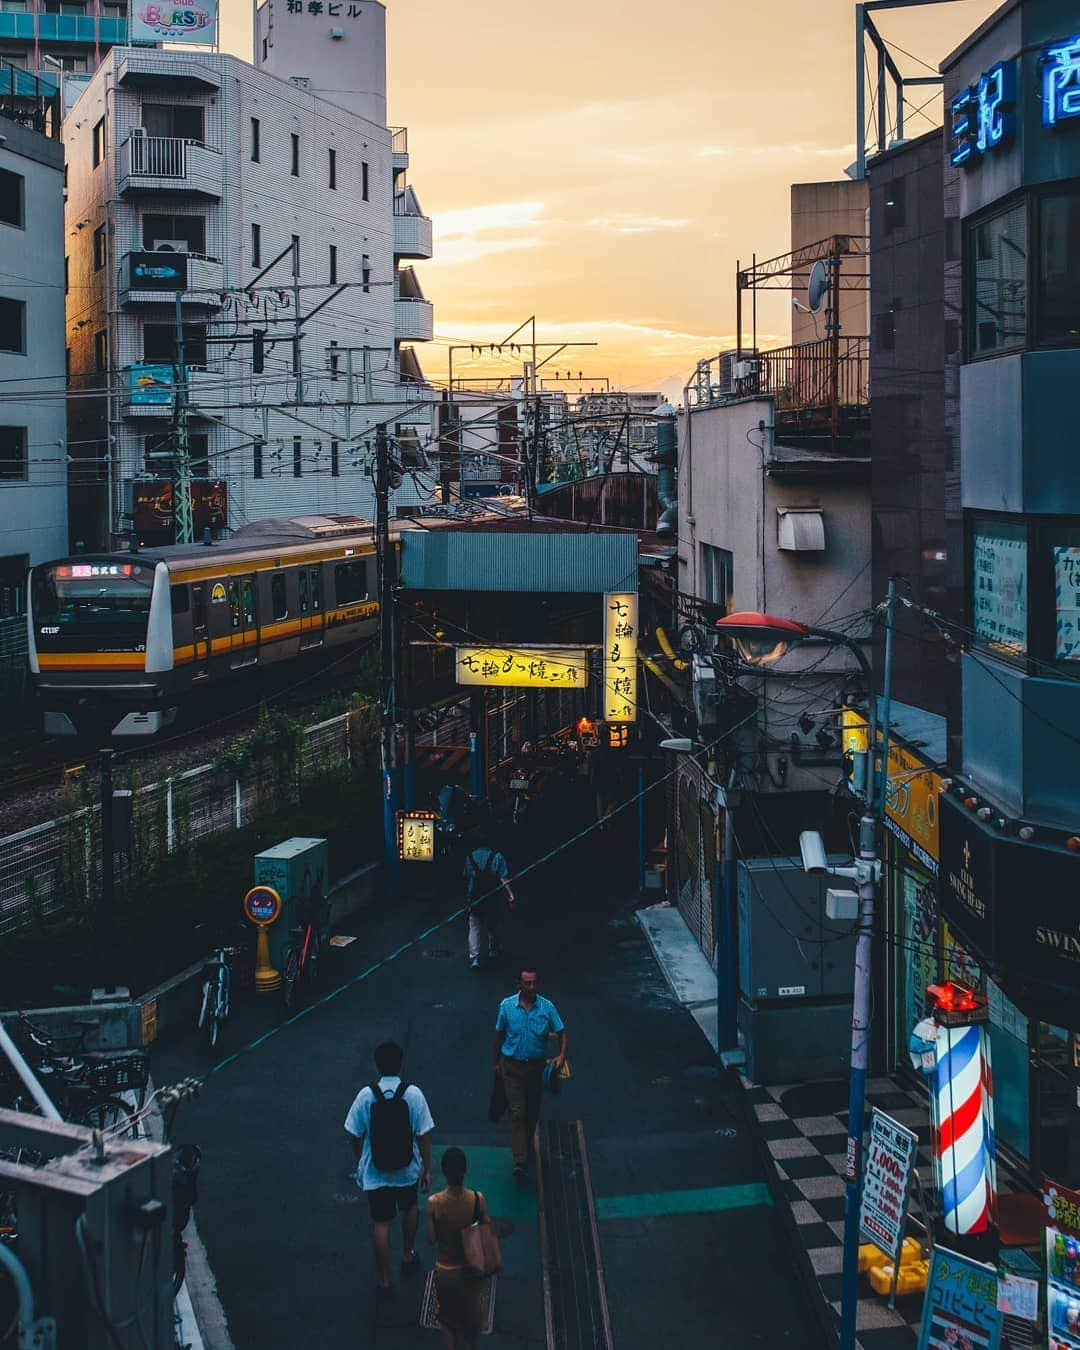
(385, 1201)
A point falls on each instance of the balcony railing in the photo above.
(412, 234)
(815, 378)
(150, 277)
(414, 320)
(399, 148)
(171, 162)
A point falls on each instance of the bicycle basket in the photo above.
(119, 1073)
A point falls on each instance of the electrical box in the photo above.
(299, 870)
(789, 949)
(805, 1043)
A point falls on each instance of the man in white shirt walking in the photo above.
(390, 1126)
(487, 887)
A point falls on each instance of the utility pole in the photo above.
(387, 577)
(297, 322)
(183, 516)
(108, 854)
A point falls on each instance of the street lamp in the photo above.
(761, 639)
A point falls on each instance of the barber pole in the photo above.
(963, 1112)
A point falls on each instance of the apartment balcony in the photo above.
(170, 164)
(414, 320)
(150, 390)
(153, 278)
(399, 148)
(412, 235)
(74, 28)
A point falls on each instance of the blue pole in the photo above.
(390, 835)
(641, 829)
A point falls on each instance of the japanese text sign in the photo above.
(1062, 1208)
(983, 115)
(620, 656)
(262, 905)
(1061, 81)
(1067, 602)
(173, 21)
(960, 1310)
(333, 9)
(890, 1161)
(416, 836)
(522, 667)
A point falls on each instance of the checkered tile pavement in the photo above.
(808, 1157)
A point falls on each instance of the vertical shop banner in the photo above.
(890, 1162)
(193, 21)
(999, 589)
(620, 656)
(960, 1308)
(1067, 603)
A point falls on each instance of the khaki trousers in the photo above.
(523, 1080)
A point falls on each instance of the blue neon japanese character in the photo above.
(1061, 82)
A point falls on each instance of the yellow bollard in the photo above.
(262, 905)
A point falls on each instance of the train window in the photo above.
(181, 602)
(248, 593)
(302, 582)
(198, 608)
(279, 604)
(316, 589)
(234, 603)
(350, 579)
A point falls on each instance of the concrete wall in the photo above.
(266, 193)
(817, 211)
(342, 55)
(33, 508)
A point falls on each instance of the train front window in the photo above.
(106, 600)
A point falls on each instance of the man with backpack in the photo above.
(391, 1126)
(486, 884)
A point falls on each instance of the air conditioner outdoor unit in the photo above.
(171, 246)
(138, 131)
(745, 370)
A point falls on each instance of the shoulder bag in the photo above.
(481, 1245)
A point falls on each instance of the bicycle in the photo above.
(86, 1088)
(302, 956)
(216, 990)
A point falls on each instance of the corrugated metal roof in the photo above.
(461, 559)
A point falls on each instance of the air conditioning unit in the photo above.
(745, 370)
(170, 246)
(728, 372)
(138, 131)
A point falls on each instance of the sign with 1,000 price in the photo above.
(890, 1161)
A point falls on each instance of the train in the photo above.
(118, 641)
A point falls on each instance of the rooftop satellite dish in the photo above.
(818, 286)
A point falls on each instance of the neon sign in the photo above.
(1061, 81)
(983, 115)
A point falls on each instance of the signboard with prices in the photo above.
(1062, 1265)
(890, 1162)
(961, 1305)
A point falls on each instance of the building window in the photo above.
(364, 176)
(101, 351)
(894, 205)
(159, 344)
(99, 142)
(332, 167)
(99, 248)
(189, 230)
(997, 282)
(296, 255)
(1057, 275)
(365, 272)
(333, 264)
(297, 457)
(266, 49)
(717, 576)
(999, 574)
(335, 460)
(279, 603)
(12, 454)
(67, 275)
(334, 360)
(257, 457)
(295, 165)
(255, 137)
(12, 199)
(350, 582)
(12, 325)
(181, 121)
(256, 245)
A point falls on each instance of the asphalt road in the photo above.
(693, 1254)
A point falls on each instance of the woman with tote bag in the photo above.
(458, 1220)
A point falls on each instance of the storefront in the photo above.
(1010, 925)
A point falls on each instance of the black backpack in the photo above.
(485, 882)
(391, 1129)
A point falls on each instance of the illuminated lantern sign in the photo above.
(522, 667)
(983, 115)
(416, 836)
(620, 656)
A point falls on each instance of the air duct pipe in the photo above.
(665, 459)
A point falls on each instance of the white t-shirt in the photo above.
(358, 1121)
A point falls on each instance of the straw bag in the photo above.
(481, 1245)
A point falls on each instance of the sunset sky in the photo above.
(603, 164)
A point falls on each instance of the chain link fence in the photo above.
(51, 870)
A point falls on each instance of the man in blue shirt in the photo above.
(520, 1052)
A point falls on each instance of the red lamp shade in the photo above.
(761, 639)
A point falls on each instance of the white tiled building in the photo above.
(196, 169)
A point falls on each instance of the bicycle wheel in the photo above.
(108, 1113)
(313, 958)
(290, 970)
(204, 1007)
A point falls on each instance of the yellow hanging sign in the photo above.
(522, 667)
(416, 836)
(620, 656)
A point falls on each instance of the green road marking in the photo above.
(706, 1200)
(491, 1171)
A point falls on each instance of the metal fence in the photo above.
(692, 862)
(51, 869)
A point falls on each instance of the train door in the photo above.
(311, 606)
(200, 631)
(243, 620)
